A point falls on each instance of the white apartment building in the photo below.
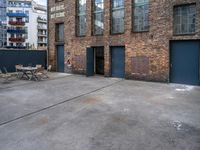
(26, 25)
(3, 34)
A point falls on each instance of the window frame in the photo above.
(93, 13)
(77, 24)
(111, 18)
(133, 18)
(56, 35)
(185, 34)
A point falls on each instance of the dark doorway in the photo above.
(99, 60)
(185, 62)
(60, 58)
(95, 61)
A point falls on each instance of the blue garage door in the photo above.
(185, 62)
(60, 58)
(118, 62)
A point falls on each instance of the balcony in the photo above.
(42, 41)
(11, 30)
(24, 4)
(22, 23)
(42, 35)
(16, 47)
(41, 20)
(17, 15)
(19, 39)
(42, 27)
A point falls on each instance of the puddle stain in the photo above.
(42, 121)
(90, 100)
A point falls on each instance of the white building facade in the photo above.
(23, 27)
(3, 24)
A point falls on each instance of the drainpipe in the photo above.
(47, 33)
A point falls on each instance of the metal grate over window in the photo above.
(184, 19)
(98, 17)
(117, 16)
(81, 17)
(141, 15)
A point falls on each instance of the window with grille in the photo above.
(117, 25)
(98, 17)
(81, 18)
(141, 15)
(60, 32)
(184, 19)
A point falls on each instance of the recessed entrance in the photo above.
(99, 60)
(95, 61)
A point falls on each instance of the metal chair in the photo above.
(49, 68)
(38, 66)
(17, 69)
(5, 75)
(9, 73)
(42, 73)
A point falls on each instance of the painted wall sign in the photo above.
(57, 11)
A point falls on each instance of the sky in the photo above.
(43, 2)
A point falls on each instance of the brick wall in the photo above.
(149, 49)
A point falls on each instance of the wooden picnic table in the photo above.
(28, 71)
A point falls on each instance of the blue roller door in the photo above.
(118, 62)
(60, 58)
(185, 62)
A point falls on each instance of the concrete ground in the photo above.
(72, 112)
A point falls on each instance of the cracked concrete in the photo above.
(97, 113)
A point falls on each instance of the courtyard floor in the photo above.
(73, 112)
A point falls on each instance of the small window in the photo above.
(141, 15)
(98, 17)
(81, 18)
(185, 19)
(117, 23)
(60, 32)
(58, 1)
(27, 45)
(27, 19)
(19, 11)
(11, 19)
(27, 12)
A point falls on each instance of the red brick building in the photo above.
(152, 40)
